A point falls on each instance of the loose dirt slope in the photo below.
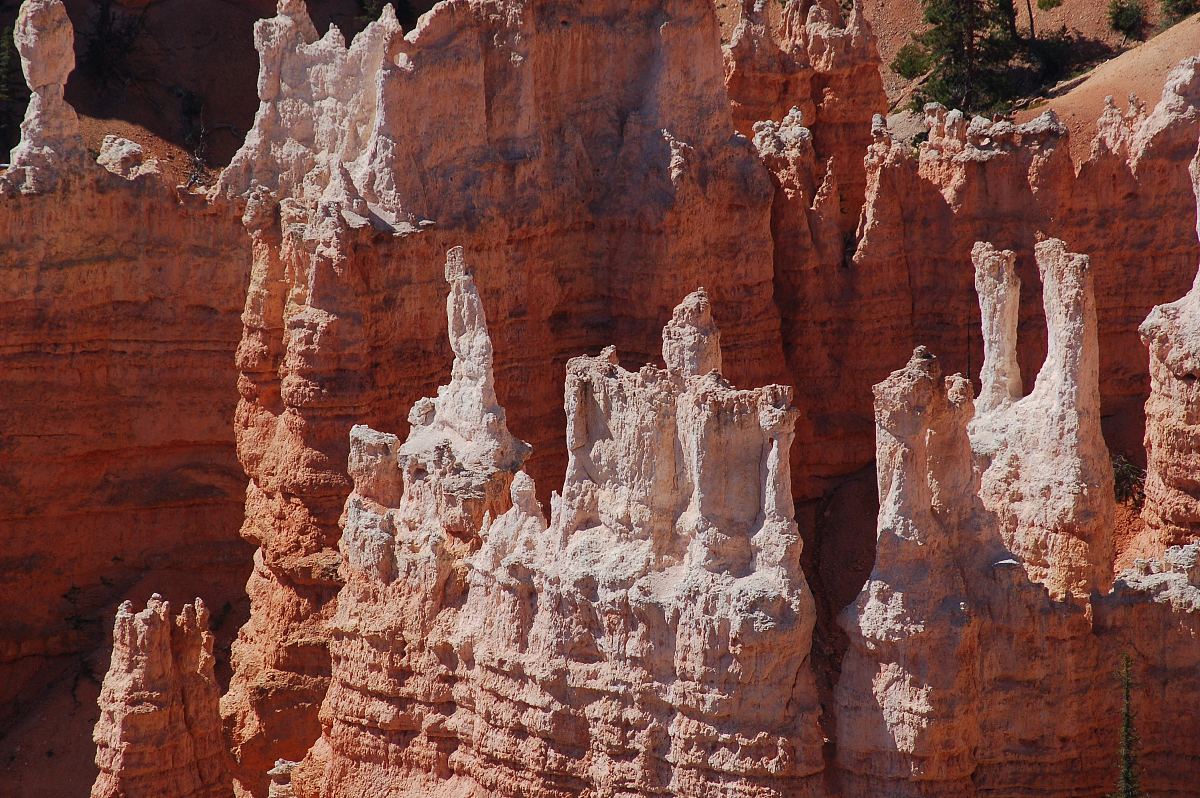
(896, 20)
(1141, 71)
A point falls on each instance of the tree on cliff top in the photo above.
(1128, 772)
(970, 44)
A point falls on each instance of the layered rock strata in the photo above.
(118, 474)
(605, 199)
(479, 648)
(593, 169)
(1172, 492)
(982, 647)
(159, 731)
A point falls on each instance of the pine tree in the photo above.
(1128, 772)
(970, 44)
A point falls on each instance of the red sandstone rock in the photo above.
(1172, 332)
(814, 61)
(1007, 184)
(582, 231)
(589, 162)
(982, 646)
(353, 187)
(159, 732)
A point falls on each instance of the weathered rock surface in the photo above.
(975, 180)
(1172, 333)
(642, 642)
(982, 647)
(904, 707)
(159, 732)
(586, 156)
(1046, 474)
(813, 60)
(353, 188)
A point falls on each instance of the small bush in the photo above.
(1175, 10)
(1129, 481)
(195, 138)
(911, 61)
(1127, 17)
(1047, 5)
(1129, 771)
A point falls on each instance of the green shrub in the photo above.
(1046, 5)
(911, 61)
(1175, 10)
(1127, 17)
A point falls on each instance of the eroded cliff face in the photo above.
(418, 623)
(118, 475)
(479, 648)
(994, 551)
(1172, 333)
(593, 174)
(352, 187)
(975, 180)
(159, 731)
(813, 60)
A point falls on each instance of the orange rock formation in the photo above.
(594, 176)
(983, 644)
(1172, 332)
(478, 648)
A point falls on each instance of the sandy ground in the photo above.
(896, 20)
(1141, 71)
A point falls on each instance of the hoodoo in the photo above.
(994, 538)
(159, 731)
(640, 640)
